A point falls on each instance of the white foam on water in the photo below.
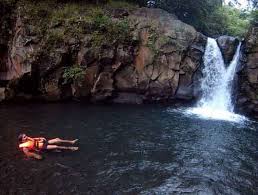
(213, 114)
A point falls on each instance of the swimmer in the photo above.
(31, 146)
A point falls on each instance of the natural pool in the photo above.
(128, 150)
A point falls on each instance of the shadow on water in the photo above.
(128, 150)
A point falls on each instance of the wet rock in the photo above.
(190, 71)
(228, 46)
(252, 40)
(242, 100)
(103, 87)
(21, 52)
(82, 88)
(128, 98)
(107, 55)
(248, 76)
(126, 79)
(86, 57)
(2, 94)
(52, 90)
(145, 54)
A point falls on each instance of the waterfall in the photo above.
(216, 101)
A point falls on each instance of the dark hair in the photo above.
(20, 137)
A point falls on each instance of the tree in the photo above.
(253, 3)
(193, 12)
(254, 17)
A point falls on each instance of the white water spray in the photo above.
(216, 101)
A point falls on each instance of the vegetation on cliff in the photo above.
(254, 17)
(210, 17)
(102, 52)
(227, 20)
(73, 20)
(7, 8)
(72, 74)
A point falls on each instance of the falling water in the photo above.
(216, 86)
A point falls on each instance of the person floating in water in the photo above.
(31, 146)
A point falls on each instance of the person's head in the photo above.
(22, 138)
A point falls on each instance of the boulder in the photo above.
(167, 48)
(228, 46)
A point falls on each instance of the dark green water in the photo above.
(128, 150)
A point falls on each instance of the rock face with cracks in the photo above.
(247, 100)
(123, 56)
(228, 46)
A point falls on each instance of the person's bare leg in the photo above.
(58, 141)
(55, 147)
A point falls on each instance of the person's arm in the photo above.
(30, 138)
(39, 138)
(31, 154)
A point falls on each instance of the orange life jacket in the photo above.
(28, 144)
(32, 145)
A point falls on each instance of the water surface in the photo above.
(128, 150)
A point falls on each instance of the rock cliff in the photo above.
(100, 54)
(247, 100)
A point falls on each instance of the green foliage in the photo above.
(55, 36)
(164, 39)
(191, 11)
(237, 24)
(110, 32)
(73, 17)
(74, 20)
(86, 16)
(121, 30)
(153, 36)
(37, 15)
(254, 17)
(208, 16)
(99, 19)
(212, 17)
(68, 11)
(227, 20)
(72, 74)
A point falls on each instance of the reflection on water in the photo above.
(128, 150)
